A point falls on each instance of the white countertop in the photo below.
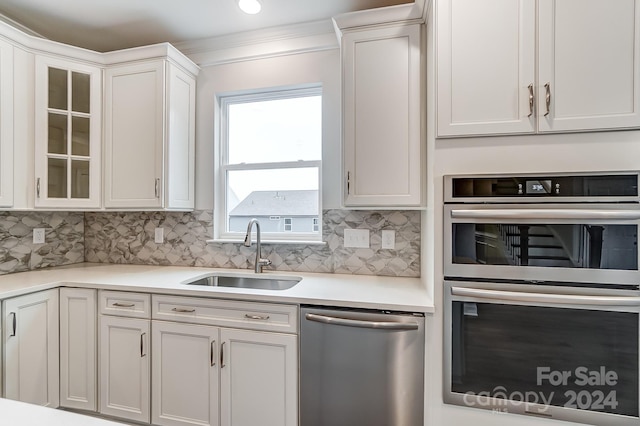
(23, 414)
(358, 291)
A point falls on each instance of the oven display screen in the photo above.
(539, 186)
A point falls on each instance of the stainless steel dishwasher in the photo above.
(361, 368)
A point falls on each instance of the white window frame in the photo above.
(221, 166)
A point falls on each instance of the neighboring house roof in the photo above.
(278, 203)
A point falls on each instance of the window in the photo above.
(269, 163)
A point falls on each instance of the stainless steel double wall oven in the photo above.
(542, 296)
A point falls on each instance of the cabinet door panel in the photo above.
(78, 345)
(31, 348)
(124, 368)
(134, 133)
(382, 120)
(590, 57)
(68, 132)
(484, 69)
(185, 374)
(181, 137)
(6, 124)
(258, 379)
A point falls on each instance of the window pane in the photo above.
(275, 130)
(57, 178)
(80, 91)
(283, 200)
(79, 179)
(57, 88)
(57, 143)
(80, 136)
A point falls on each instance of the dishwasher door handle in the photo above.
(380, 325)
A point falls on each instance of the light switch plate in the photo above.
(388, 239)
(159, 236)
(38, 235)
(357, 238)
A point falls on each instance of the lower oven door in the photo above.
(580, 243)
(552, 352)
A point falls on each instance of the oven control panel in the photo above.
(592, 188)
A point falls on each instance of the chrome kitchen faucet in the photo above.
(247, 242)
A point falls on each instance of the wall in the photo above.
(129, 238)
(64, 240)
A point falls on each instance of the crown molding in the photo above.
(268, 43)
(415, 12)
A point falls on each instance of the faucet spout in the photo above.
(260, 262)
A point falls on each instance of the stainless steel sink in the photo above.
(266, 283)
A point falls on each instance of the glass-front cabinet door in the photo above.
(67, 165)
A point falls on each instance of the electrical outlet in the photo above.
(38, 235)
(388, 239)
(358, 238)
(159, 236)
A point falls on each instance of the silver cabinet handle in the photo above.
(14, 324)
(142, 352)
(348, 182)
(212, 354)
(531, 100)
(257, 317)
(546, 214)
(380, 325)
(567, 299)
(183, 310)
(38, 187)
(222, 354)
(547, 98)
(157, 187)
(123, 305)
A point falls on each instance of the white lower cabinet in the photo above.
(31, 348)
(185, 374)
(78, 346)
(124, 367)
(258, 378)
(253, 365)
(198, 361)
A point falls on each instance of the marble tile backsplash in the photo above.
(128, 237)
(64, 240)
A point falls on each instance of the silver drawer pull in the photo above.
(124, 305)
(257, 317)
(183, 310)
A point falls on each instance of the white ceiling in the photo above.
(105, 25)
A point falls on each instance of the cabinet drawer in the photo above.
(125, 304)
(227, 313)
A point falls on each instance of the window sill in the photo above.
(268, 241)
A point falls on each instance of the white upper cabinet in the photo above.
(588, 66)
(6, 124)
(149, 136)
(589, 59)
(382, 95)
(68, 128)
(485, 66)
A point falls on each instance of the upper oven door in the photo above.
(558, 243)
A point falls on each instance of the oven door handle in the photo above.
(527, 214)
(567, 299)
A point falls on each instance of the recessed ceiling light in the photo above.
(250, 6)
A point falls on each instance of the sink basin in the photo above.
(266, 283)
